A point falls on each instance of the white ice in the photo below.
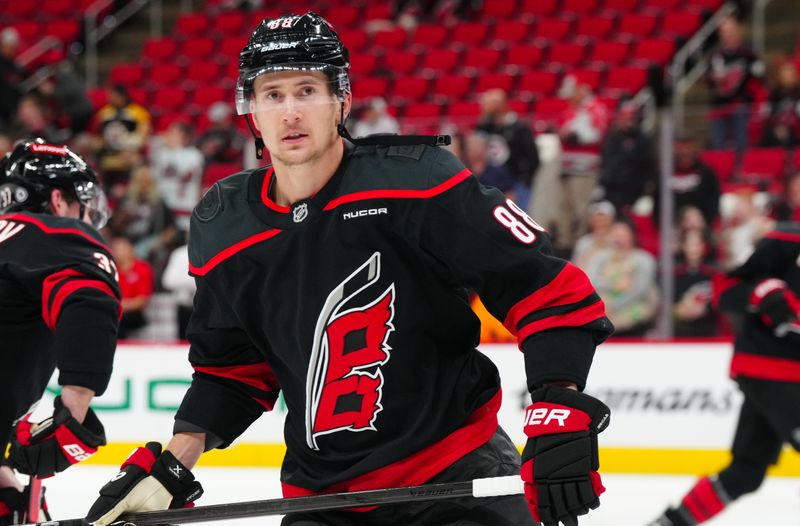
(630, 500)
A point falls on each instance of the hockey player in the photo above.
(763, 295)
(59, 306)
(338, 276)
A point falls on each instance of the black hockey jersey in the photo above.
(59, 297)
(758, 351)
(353, 302)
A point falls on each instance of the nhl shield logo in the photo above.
(300, 212)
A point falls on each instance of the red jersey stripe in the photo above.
(576, 318)
(257, 375)
(72, 286)
(570, 286)
(424, 464)
(232, 250)
(765, 367)
(269, 203)
(400, 194)
(784, 236)
(721, 284)
(54, 231)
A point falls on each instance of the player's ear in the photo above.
(347, 103)
(57, 202)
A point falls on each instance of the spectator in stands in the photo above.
(123, 127)
(136, 284)
(11, 74)
(627, 160)
(221, 142)
(787, 208)
(694, 182)
(178, 281)
(693, 313)
(741, 229)
(581, 129)
(145, 219)
(34, 120)
(375, 118)
(625, 278)
(67, 96)
(601, 218)
(178, 171)
(510, 142)
(476, 158)
(783, 126)
(6, 144)
(735, 78)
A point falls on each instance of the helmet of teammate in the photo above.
(33, 169)
(292, 43)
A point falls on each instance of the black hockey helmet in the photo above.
(292, 43)
(33, 169)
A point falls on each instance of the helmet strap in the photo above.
(259, 141)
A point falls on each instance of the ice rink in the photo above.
(630, 500)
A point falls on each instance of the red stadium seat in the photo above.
(382, 11)
(390, 38)
(229, 23)
(589, 77)
(521, 107)
(682, 24)
(620, 6)
(662, 5)
(596, 27)
(539, 7)
(709, 5)
(19, 10)
(65, 30)
(626, 80)
(538, 83)
(231, 47)
(369, 87)
(567, 54)
(489, 81)
(412, 88)
(609, 52)
(205, 97)
(215, 172)
(160, 49)
(98, 97)
(512, 31)
(441, 60)
(500, 9)
(764, 164)
(722, 162)
(579, 7)
(549, 109)
(555, 29)
(202, 73)
(168, 99)
(165, 74)
(459, 109)
(452, 86)
(470, 34)
(139, 96)
(198, 48)
(423, 111)
(354, 39)
(126, 74)
(429, 35)
(58, 9)
(363, 64)
(525, 57)
(401, 62)
(29, 31)
(482, 59)
(193, 24)
(637, 25)
(656, 50)
(343, 16)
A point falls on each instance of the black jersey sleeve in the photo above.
(486, 242)
(232, 384)
(63, 265)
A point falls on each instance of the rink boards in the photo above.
(673, 407)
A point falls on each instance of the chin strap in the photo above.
(259, 141)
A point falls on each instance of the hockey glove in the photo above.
(48, 447)
(559, 462)
(774, 303)
(14, 506)
(149, 480)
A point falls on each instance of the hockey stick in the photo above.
(34, 498)
(488, 487)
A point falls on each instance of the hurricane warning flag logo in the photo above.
(345, 383)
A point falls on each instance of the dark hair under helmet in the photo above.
(289, 43)
(33, 169)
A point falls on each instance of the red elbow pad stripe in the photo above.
(60, 285)
(73, 448)
(257, 375)
(545, 418)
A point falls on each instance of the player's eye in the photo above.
(308, 91)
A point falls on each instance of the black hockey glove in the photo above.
(559, 462)
(149, 480)
(774, 303)
(14, 506)
(45, 448)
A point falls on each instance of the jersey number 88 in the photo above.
(521, 225)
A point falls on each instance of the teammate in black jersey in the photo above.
(762, 294)
(59, 307)
(338, 276)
